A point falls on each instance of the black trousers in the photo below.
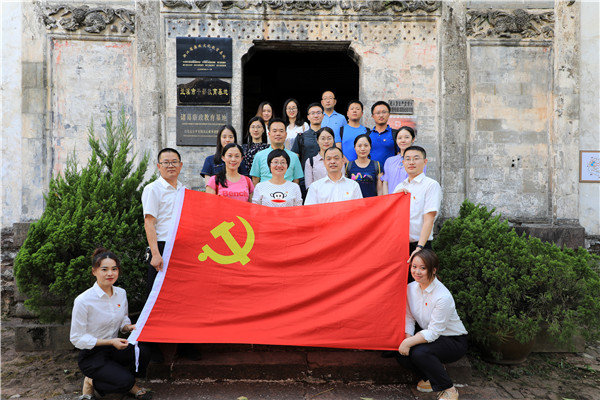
(427, 359)
(112, 370)
(412, 246)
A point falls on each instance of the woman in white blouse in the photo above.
(443, 338)
(99, 314)
(277, 192)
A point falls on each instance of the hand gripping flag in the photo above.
(329, 275)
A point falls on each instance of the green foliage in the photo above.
(509, 285)
(97, 206)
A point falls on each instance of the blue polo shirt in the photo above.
(335, 121)
(260, 168)
(347, 141)
(383, 145)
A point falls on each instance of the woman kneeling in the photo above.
(443, 338)
(99, 313)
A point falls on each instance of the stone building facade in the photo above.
(505, 93)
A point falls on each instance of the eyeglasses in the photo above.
(169, 163)
(411, 159)
(292, 109)
(328, 98)
(282, 163)
(315, 113)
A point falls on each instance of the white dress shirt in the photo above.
(425, 196)
(98, 316)
(158, 200)
(434, 310)
(327, 191)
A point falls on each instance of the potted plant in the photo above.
(507, 286)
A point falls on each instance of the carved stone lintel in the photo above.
(92, 20)
(375, 7)
(517, 24)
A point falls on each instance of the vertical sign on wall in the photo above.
(201, 63)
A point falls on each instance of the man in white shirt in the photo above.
(425, 199)
(158, 202)
(335, 186)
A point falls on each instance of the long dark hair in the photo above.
(221, 178)
(299, 119)
(217, 159)
(260, 109)
(263, 138)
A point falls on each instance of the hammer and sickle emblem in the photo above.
(239, 254)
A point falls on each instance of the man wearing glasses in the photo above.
(158, 202)
(306, 145)
(425, 199)
(382, 135)
(331, 118)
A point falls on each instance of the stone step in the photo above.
(299, 364)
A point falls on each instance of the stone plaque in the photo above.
(204, 57)
(402, 107)
(198, 126)
(203, 91)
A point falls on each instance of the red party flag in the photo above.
(327, 275)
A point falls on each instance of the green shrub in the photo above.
(509, 285)
(100, 205)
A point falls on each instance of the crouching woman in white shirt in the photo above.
(443, 338)
(99, 313)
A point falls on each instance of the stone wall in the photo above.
(506, 93)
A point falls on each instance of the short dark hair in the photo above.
(362, 108)
(431, 261)
(278, 153)
(168, 150)
(273, 120)
(364, 135)
(325, 129)
(380, 103)
(315, 104)
(332, 148)
(417, 148)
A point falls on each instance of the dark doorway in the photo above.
(275, 72)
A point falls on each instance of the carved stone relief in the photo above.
(517, 24)
(374, 7)
(91, 20)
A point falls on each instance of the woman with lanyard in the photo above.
(443, 338)
(229, 182)
(294, 124)
(314, 169)
(256, 140)
(99, 314)
(393, 169)
(214, 163)
(277, 192)
(363, 170)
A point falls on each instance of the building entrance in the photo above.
(274, 72)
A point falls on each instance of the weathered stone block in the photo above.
(33, 100)
(42, 337)
(571, 236)
(489, 124)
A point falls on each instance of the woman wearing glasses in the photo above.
(294, 124)
(277, 192)
(256, 140)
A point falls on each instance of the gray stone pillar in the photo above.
(454, 106)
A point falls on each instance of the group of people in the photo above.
(342, 161)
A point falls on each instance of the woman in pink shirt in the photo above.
(229, 182)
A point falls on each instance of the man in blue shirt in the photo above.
(260, 168)
(382, 135)
(331, 118)
(344, 139)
